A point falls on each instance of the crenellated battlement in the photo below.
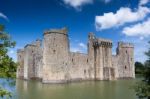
(36, 43)
(58, 31)
(102, 42)
(91, 35)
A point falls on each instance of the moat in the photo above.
(120, 89)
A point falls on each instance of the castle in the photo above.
(52, 61)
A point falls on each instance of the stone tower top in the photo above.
(59, 31)
(102, 42)
(38, 39)
(20, 50)
(124, 44)
(29, 45)
(91, 35)
(38, 42)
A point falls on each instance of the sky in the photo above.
(118, 20)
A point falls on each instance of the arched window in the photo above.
(125, 67)
(84, 71)
(54, 51)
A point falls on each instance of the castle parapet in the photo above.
(36, 43)
(31, 45)
(102, 42)
(20, 50)
(125, 45)
(58, 31)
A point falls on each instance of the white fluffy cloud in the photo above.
(143, 2)
(122, 16)
(3, 16)
(77, 3)
(140, 29)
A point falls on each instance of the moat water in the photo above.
(120, 89)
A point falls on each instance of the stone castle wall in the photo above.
(55, 56)
(20, 58)
(125, 53)
(115, 59)
(30, 61)
(103, 59)
(54, 63)
(38, 58)
(79, 69)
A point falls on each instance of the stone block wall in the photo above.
(124, 60)
(115, 65)
(20, 58)
(79, 69)
(33, 60)
(29, 62)
(55, 56)
(102, 59)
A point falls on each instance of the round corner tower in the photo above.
(125, 51)
(55, 56)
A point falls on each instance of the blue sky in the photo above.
(118, 20)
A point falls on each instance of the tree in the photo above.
(143, 88)
(7, 65)
(139, 68)
(147, 64)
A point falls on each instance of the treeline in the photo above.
(139, 68)
(142, 88)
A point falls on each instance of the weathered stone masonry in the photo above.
(54, 63)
